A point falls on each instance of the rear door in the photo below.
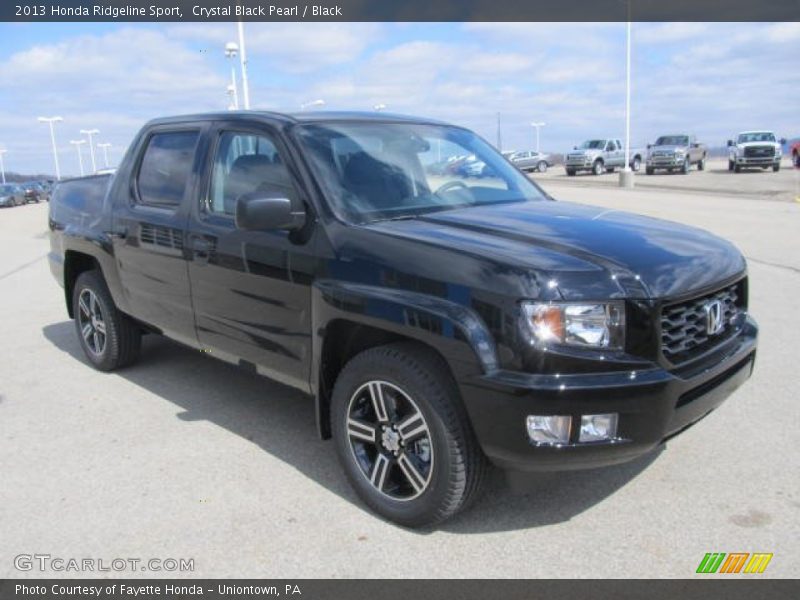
(251, 289)
(150, 225)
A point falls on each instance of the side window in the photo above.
(166, 166)
(611, 146)
(244, 164)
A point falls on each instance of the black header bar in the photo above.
(400, 10)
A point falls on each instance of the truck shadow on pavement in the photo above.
(281, 421)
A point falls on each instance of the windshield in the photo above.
(756, 136)
(673, 140)
(6, 189)
(594, 144)
(378, 171)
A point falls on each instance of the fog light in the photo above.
(549, 430)
(598, 428)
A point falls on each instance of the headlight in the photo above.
(583, 325)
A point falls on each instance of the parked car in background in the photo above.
(601, 156)
(676, 153)
(795, 151)
(755, 149)
(531, 160)
(436, 322)
(34, 192)
(11, 195)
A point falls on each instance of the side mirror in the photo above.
(783, 141)
(256, 212)
(574, 147)
(730, 142)
(649, 146)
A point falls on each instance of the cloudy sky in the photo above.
(712, 79)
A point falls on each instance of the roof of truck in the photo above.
(299, 117)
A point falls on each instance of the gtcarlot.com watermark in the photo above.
(59, 564)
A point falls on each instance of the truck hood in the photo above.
(642, 256)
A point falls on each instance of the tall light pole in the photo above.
(243, 62)
(537, 126)
(2, 166)
(312, 103)
(626, 176)
(105, 146)
(89, 133)
(78, 144)
(50, 121)
(231, 51)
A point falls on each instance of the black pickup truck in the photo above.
(440, 323)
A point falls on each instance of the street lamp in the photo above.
(50, 121)
(537, 126)
(306, 105)
(89, 133)
(2, 166)
(379, 107)
(78, 144)
(626, 175)
(231, 51)
(105, 146)
(243, 62)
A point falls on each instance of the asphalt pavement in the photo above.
(184, 457)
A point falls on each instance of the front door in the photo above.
(251, 289)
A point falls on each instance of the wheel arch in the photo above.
(351, 318)
(76, 263)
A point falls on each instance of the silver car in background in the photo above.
(531, 160)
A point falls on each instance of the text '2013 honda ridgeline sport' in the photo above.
(439, 322)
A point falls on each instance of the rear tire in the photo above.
(701, 166)
(571, 172)
(416, 474)
(686, 166)
(796, 159)
(109, 338)
(636, 165)
(776, 167)
(541, 167)
(737, 169)
(649, 170)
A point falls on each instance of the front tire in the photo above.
(541, 167)
(701, 166)
(637, 164)
(796, 159)
(570, 172)
(649, 170)
(109, 338)
(597, 168)
(403, 437)
(731, 165)
(685, 167)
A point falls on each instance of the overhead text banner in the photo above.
(401, 10)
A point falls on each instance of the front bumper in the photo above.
(653, 404)
(758, 161)
(665, 162)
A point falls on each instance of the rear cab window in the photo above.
(165, 168)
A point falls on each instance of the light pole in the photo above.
(50, 121)
(105, 146)
(379, 107)
(306, 105)
(231, 51)
(626, 175)
(2, 166)
(243, 62)
(537, 126)
(89, 133)
(78, 144)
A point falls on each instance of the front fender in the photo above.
(454, 330)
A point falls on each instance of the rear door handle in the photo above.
(120, 233)
(201, 247)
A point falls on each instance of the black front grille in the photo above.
(684, 325)
(759, 151)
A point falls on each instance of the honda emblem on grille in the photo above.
(714, 314)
